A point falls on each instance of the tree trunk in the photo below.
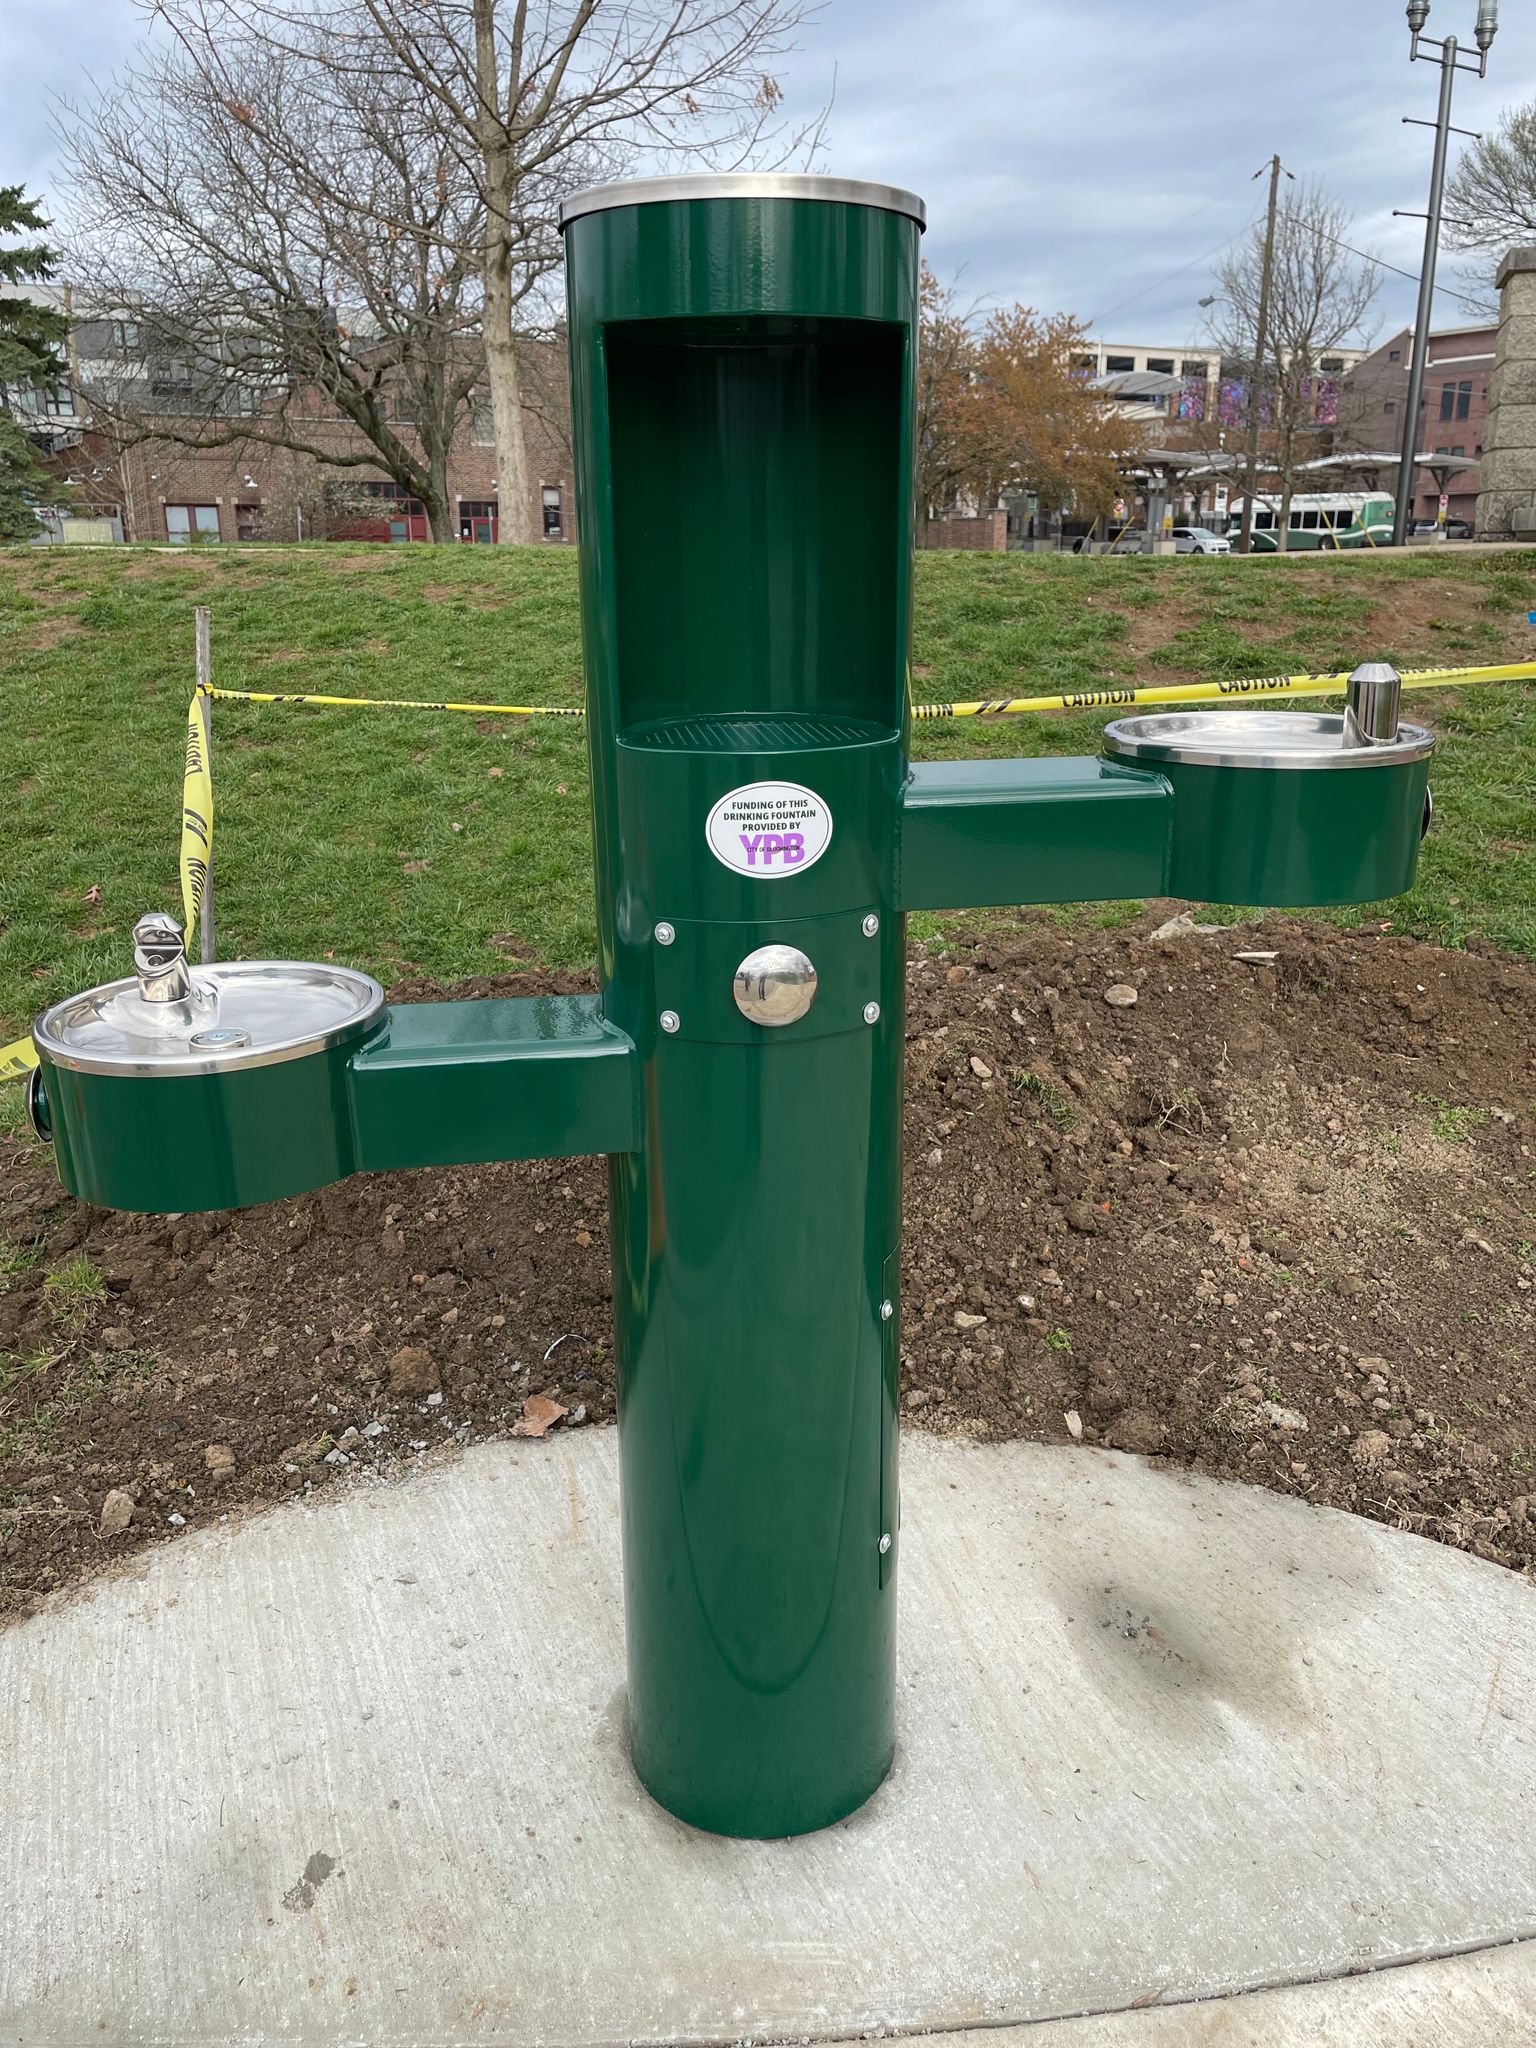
(514, 515)
(514, 512)
(435, 498)
(1287, 491)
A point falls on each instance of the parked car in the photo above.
(1455, 529)
(1199, 540)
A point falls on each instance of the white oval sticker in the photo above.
(769, 830)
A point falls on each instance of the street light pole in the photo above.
(1260, 345)
(1450, 64)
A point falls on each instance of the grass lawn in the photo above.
(450, 845)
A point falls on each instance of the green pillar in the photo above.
(742, 357)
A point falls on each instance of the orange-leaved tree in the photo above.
(1003, 403)
(1047, 431)
(952, 434)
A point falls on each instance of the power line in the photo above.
(1157, 283)
(1443, 290)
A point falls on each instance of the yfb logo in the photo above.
(769, 829)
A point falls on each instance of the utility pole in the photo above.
(1485, 31)
(1260, 348)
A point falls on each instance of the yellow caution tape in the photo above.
(196, 818)
(404, 704)
(18, 1060)
(197, 782)
(1199, 693)
(982, 707)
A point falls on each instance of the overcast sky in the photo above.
(1090, 156)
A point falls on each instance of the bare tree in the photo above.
(297, 246)
(1321, 296)
(1491, 197)
(538, 97)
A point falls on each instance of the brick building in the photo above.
(159, 490)
(1452, 413)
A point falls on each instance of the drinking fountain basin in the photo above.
(1292, 808)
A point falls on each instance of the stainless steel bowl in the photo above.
(1247, 737)
(244, 1013)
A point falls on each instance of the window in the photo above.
(1264, 520)
(248, 522)
(1394, 355)
(1447, 401)
(1460, 450)
(1442, 451)
(125, 336)
(57, 400)
(1390, 406)
(1464, 398)
(403, 508)
(1310, 521)
(399, 492)
(477, 519)
(1162, 365)
(482, 427)
(1331, 365)
(169, 377)
(1081, 361)
(1113, 365)
(554, 512)
(188, 522)
(1295, 521)
(1192, 368)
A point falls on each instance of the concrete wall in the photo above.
(1508, 482)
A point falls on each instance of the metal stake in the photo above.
(204, 619)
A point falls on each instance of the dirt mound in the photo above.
(1273, 1219)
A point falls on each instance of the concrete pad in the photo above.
(1472, 2001)
(356, 1774)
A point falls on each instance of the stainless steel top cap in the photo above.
(742, 185)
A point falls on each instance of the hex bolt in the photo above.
(887, 1310)
(871, 925)
(885, 1543)
(871, 1013)
(670, 1021)
(665, 935)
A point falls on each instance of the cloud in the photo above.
(1080, 155)
(50, 47)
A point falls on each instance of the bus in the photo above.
(1321, 519)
